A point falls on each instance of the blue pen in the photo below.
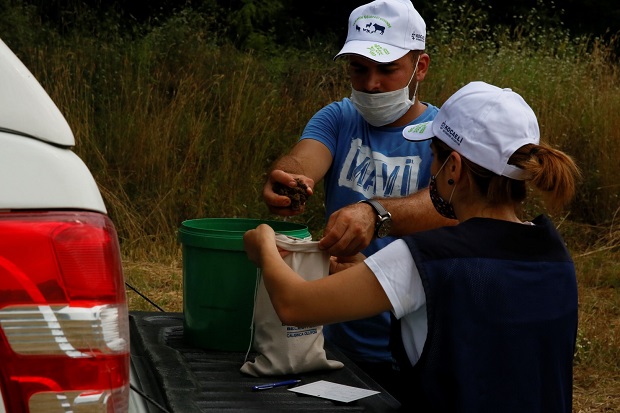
(277, 384)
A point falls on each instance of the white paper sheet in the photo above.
(333, 391)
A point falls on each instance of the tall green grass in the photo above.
(176, 124)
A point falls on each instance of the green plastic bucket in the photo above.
(219, 280)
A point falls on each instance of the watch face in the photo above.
(384, 228)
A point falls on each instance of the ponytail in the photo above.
(551, 171)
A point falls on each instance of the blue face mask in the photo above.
(442, 206)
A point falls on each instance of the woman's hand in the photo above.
(337, 264)
(257, 242)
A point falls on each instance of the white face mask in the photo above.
(381, 109)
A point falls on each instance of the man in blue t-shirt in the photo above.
(375, 182)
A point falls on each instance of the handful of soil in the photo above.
(297, 194)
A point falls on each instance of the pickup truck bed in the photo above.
(185, 379)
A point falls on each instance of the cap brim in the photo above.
(419, 132)
(385, 53)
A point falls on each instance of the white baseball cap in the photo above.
(485, 124)
(384, 31)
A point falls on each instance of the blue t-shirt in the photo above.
(368, 162)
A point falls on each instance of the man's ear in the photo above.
(425, 61)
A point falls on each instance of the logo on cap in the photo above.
(456, 138)
(418, 36)
(377, 50)
(371, 27)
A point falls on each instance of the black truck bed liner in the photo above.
(185, 379)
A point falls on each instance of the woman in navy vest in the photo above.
(485, 311)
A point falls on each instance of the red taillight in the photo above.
(64, 342)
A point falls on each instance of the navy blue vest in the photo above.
(501, 303)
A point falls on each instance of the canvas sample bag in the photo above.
(288, 349)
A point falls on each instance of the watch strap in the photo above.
(383, 222)
(377, 206)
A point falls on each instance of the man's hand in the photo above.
(352, 228)
(349, 230)
(281, 204)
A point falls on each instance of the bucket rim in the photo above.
(236, 225)
(227, 233)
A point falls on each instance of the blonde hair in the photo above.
(552, 172)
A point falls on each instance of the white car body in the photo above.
(38, 169)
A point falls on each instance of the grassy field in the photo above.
(175, 126)
(597, 361)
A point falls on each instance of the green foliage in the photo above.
(20, 26)
(177, 121)
(252, 23)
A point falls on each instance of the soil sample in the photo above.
(297, 194)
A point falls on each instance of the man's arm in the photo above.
(308, 161)
(351, 229)
(414, 213)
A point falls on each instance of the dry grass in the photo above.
(596, 252)
(597, 365)
(160, 283)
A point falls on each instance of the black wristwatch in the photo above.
(383, 225)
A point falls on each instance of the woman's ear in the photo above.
(455, 167)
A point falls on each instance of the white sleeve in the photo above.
(398, 275)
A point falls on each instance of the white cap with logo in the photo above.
(485, 124)
(384, 31)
